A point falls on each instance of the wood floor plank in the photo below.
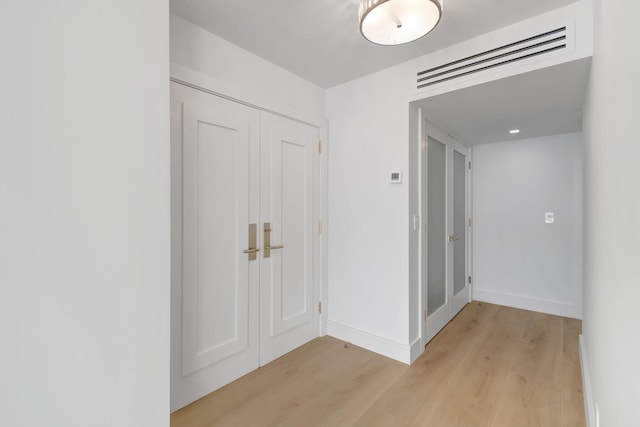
(470, 394)
(241, 393)
(286, 400)
(422, 380)
(541, 353)
(491, 366)
(341, 401)
(528, 402)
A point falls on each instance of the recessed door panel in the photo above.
(215, 288)
(295, 184)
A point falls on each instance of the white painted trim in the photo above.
(422, 242)
(323, 239)
(434, 132)
(438, 320)
(415, 349)
(557, 308)
(238, 93)
(470, 230)
(415, 227)
(589, 406)
(377, 344)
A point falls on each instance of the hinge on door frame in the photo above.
(469, 222)
(469, 279)
(319, 227)
(319, 147)
(320, 307)
(469, 164)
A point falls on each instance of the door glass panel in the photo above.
(459, 223)
(436, 228)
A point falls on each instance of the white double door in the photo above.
(445, 243)
(244, 288)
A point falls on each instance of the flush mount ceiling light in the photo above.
(394, 22)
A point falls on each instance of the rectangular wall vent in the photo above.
(540, 44)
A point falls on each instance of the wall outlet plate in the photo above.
(549, 218)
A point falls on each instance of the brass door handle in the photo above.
(253, 249)
(453, 238)
(266, 241)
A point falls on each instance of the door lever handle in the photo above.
(253, 245)
(453, 238)
(268, 247)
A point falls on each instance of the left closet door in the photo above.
(215, 271)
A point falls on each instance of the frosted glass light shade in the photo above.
(393, 22)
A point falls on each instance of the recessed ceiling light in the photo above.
(513, 131)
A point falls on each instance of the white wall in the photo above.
(368, 216)
(84, 217)
(211, 62)
(372, 293)
(519, 260)
(612, 210)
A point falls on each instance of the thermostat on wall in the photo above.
(396, 177)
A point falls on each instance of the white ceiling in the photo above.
(539, 103)
(320, 40)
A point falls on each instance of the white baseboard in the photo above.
(415, 349)
(589, 405)
(528, 303)
(377, 344)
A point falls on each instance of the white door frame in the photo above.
(427, 130)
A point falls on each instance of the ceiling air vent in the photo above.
(517, 51)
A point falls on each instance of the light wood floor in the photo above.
(491, 366)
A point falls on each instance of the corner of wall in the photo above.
(590, 410)
(392, 349)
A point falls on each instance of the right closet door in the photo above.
(288, 285)
(445, 248)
